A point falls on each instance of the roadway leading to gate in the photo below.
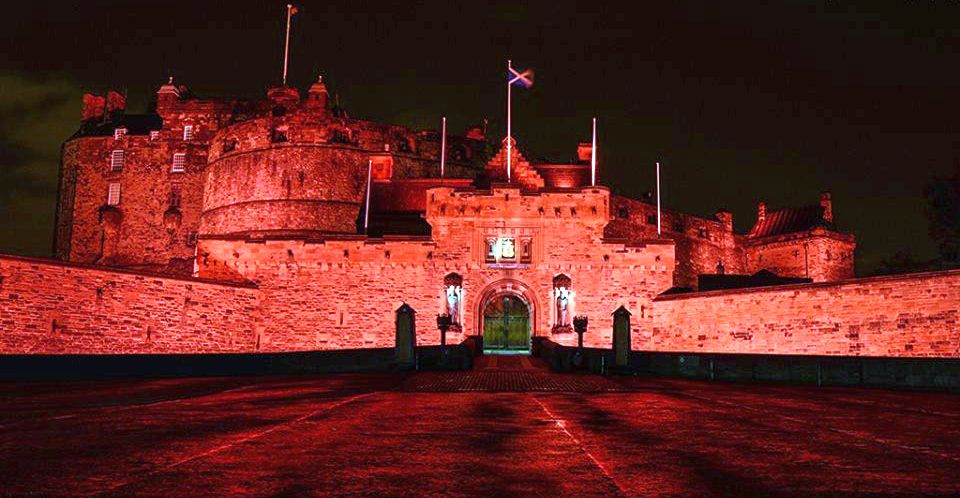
(507, 429)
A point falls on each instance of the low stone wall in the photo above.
(52, 307)
(915, 315)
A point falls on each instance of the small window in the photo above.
(623, 212)
(188, 132)
(651, 219)
(192, 239)
(229, 145)
(678, 226)
(116, 160)
(154, 134)
(119, 133)
(179, 162)
(113, 194)
(703, 233)
(338, 136)
(175, 198)
(525, 250)
(278, 135)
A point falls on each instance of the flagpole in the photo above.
(286, 45)
(443, 146)
(593, 156)
(658, 198)
(509, 140)
(366, 210)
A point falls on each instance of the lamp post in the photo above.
(580, 327)
(443, 323)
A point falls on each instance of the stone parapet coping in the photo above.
(126, 271)
(814, 285)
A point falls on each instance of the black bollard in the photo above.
(580, 327)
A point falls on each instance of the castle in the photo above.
(232, 226)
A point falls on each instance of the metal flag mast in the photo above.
(593, 156)
(366, 209)
(658, 198)
(291, 10)
(509, 140)
(443, 145)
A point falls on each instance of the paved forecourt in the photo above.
(507, 428)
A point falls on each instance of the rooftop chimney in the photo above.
(93, 107)
(761, 211)
(584, 149)
(115, 102)
(476, 133)
(826, 202)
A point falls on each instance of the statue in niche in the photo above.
(563, 303)
(563, 307)
(452, 298)
(453, 304)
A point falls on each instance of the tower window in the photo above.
(179, 162)
(703, 233)
(175, 197)
(623, 212)
(113, 194)
(119, 133)
(116, 160)
(188, 132)
(229, 145)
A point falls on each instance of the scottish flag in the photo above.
(524, 79)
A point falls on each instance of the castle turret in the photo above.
(826, 202)
(317, 96)
(168, 95)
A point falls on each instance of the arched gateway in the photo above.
(507, 317)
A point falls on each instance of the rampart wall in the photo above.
(53, 307)
(905, 315)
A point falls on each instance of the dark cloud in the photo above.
(36, 116)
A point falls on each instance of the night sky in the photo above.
(740, 104)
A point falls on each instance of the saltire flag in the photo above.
(293, 9)
(524, 79)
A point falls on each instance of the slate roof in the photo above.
(788, 220)
(136, 124)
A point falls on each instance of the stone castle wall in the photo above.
(700, 243)
(342, 292)
(335, 294)
(53, 307)
(820, 255)
(904, 315)
(285, 187)
(145, 228)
